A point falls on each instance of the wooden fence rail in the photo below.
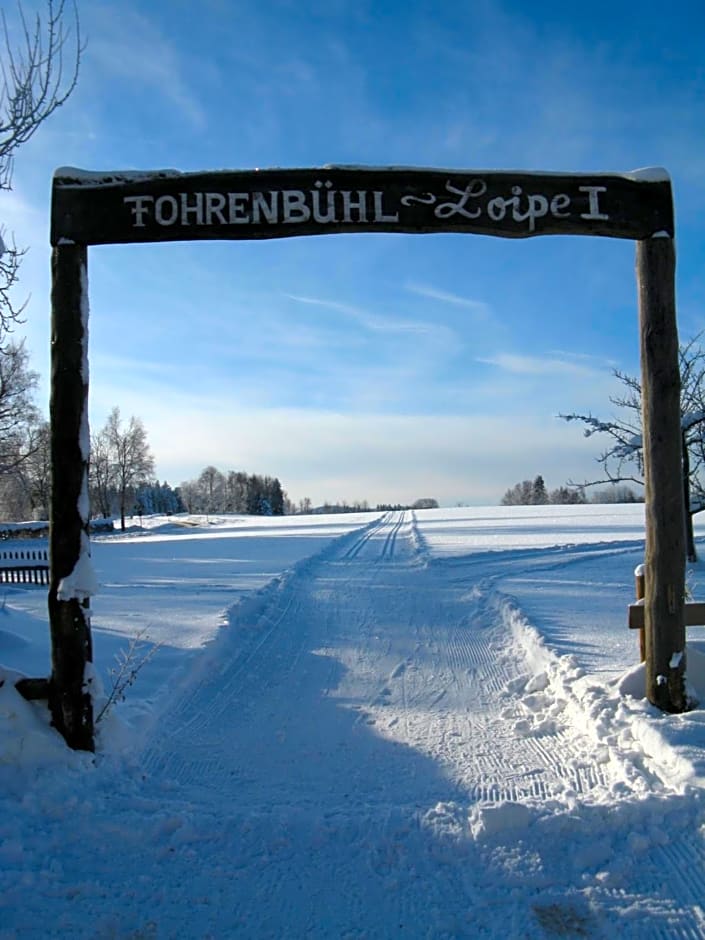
(24, 566)
(693, 611)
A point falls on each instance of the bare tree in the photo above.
(100, 474)
(622, 459)
(190, 495)
(18, 414)
(10, 259)
(39, 62)
(235, 491)
(121, 461)
(34, 473)
(133, 462)
(211, 483)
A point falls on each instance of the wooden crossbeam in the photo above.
(694, 615)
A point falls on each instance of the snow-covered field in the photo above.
(420, 724)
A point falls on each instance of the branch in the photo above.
(33, 75)
(10, 260)
(608, 480)
(626, 435)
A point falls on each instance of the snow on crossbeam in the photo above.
(111, 207)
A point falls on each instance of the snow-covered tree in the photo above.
(622, 460)
(168, 500)
(121, 462)
(519, 494)
(534, 493)
(19, 432)
(273, 494)
(426, 502)
(616, 493)
(39, 60)
(566, 496)
(211, 484)
(234, 492)
(132, 461)
(157, 497)
(189, 494)
(539, 495)
(100, 474)
(34, 473)
(18, 413)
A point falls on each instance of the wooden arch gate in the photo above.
(110, 208)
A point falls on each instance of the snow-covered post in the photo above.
(71, 579)
(664, 616)
(639, 579)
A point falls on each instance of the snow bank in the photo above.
(28, 743)
(616, 716)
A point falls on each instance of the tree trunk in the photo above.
(664, 616)
(69, 699)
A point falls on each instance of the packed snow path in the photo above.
(375, 715)
(376, 745)
(374, 683)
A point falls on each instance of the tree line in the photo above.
(342, 506)
(234, 492)
(534, 493)
(121, 475)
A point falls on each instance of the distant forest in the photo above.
(534, 493)
(363, 506)
(233, 492)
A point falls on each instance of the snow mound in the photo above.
(654, 750)
(28, 743)
(487, 821)
(633, 681)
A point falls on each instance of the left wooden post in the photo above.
(70, 700)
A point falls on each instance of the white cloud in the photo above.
(599, 362)
(447, 297)
(540, 365)
(379, 457)
(372, 321)
(128, 45)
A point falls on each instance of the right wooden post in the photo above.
(664, 625)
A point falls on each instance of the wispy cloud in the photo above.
(447, 297)
(371, 321)
(539, 365)
(598, 362)
(128, 45)
(358, 456)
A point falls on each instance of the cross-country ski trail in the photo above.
(377, 744)
(383, 760)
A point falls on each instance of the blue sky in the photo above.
(378, 367)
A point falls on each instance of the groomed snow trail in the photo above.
(370, 641)
(370, 753)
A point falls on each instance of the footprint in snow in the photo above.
(398, 670)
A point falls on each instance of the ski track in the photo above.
(322, 774)
(346, 734)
